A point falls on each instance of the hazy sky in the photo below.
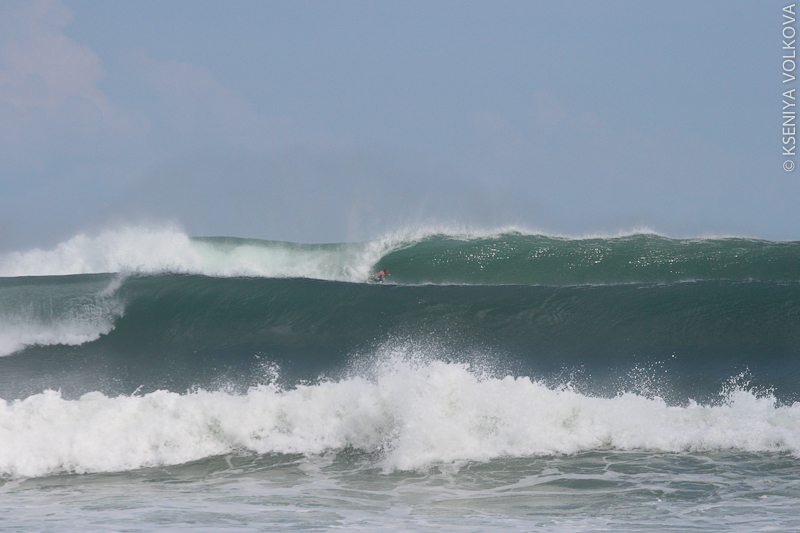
(333, 121)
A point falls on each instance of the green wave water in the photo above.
(424, 256)
(562, 384)
(180, 331)
(175, 312)
(516, 258)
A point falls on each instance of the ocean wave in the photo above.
(439, 255)
(57, 311)
(177, 330)
(411, 416)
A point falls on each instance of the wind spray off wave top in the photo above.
(484, 355)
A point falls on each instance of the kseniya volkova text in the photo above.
(789, 64)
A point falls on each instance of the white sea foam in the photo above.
(70, 314)
(152, 251)
(68, 332)
(413, 415)
(168, 249)
(130, 249)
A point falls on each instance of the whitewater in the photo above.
(157, 250)
(501, 380)
(412, 417)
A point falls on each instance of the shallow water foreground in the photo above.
(596, 491)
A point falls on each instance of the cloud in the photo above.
(67, 149)
(52, 108)
(43, 67)
(50, 103)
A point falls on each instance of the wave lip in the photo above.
(57, 311)
(126, 250)
(169, 250)
(414, 416)
(432, 255)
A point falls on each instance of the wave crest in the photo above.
(413, 416)
(426, 255)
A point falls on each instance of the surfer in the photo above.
(380, 277)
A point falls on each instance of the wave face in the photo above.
(483, 345)
(490, 258)
(520, 259)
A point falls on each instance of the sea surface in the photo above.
(498, 381)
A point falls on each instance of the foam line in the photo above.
(412, 415)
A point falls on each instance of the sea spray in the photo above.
(412, 417)
(130, 249)
(146, 347)
(54, 311)
(440, 255)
